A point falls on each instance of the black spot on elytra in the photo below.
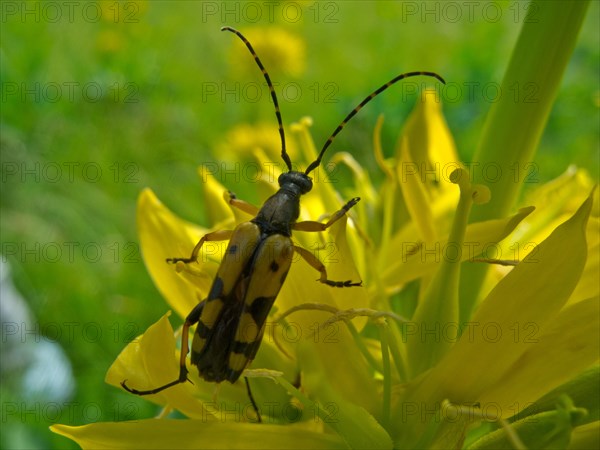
(274, 266)
(259, 310)
(203, 330)
(233, 249)
(244, 348)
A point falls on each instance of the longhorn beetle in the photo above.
(231, 320)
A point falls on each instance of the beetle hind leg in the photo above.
(251, 397)
(192, 318)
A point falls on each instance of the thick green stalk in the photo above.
(515, 123)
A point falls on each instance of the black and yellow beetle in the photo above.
(231, 320)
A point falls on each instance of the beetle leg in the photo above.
(312, 225)
(190, 320)
(318, 265)
(251, 397)
(220, 235)
(242, 205)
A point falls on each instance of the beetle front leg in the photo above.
(242, 205)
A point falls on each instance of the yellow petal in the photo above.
(555, 202)
(333, 344)
(149, 362)
(163, 235)
(589, 284)
(216, 209)
(302, 285)
(416, 195)
(532, 293)
(430, 143)
(345, 400)
(573, 339)
(401, 266)
(324, 199)
(585, 437)
(194, 434)
(332, 363)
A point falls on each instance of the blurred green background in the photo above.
(102, 99)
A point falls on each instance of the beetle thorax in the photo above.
(282, 209)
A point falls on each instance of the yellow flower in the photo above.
(250, 141)
(122, 12)
(115, 25)
(368, 377)
(109, 41)
(408, 361)
(280, 50)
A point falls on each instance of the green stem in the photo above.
(387, 375)
(515, 123)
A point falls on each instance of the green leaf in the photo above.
(547, 430)
(583, 390)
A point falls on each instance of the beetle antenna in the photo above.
(374, 94)
(284, 154)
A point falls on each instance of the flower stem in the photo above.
(515, 123)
